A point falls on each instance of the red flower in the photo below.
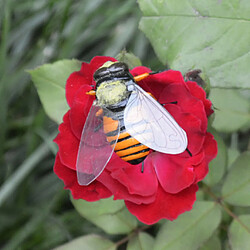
(168, 184)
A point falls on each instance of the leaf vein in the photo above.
(177, 36)
(228, 62)
(213, 42)
(190, 227)
(48, 80)
(195, 16)
(237, 189)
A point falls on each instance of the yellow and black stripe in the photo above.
(127, 147)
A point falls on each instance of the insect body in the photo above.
(126, 120)
(125, 146)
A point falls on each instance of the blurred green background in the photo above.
(35, 211)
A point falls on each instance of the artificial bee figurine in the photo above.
(126, 120)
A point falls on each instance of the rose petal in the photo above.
(188, 103)
(198, 92)
(201, 171)
(79, 110)
(144, 184)
(169, 76)
(75, 81)
(166, 206)
(209, 152)
(210, 147)
(174, 172)
(98, 61)
(68, 144)
(191, 125)
(121, 192)
(156, 83)
(93, 192)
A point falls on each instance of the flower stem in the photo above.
(131, 235)
(220, 201)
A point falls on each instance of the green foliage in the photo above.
(141, 241)
(211, 36)
(232, 110)
(111, 216)
(35, 211)
(212, 243)
(89, 242)
(217, 166)
(50, 83)
(239, 234)
(237, 184)
(191, 229)
(130, 59)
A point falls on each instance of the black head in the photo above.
(112, 71)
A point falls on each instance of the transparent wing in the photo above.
(150, 123)
(94, 150)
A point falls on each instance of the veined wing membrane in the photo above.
(151, 124)
(94, 150)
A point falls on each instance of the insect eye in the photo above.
(118, 67)
(100, 73)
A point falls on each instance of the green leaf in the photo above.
(112, 216)
(89, 242)
(209, 35)
(232, 110)
(130, 59)
(50, 80)
(237, 184)
(191, 229)
(200, 195)
(142, 241)
(239, 236)
(212, 244)
(233, 154)
(217, 166)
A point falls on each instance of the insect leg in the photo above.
(157, 72)
(91, 92)
(145, 75)
(189, 152)
(141, 77)
(142, 167)
(163, 104)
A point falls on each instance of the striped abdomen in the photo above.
(127, 147)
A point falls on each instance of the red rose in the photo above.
(168, 185)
